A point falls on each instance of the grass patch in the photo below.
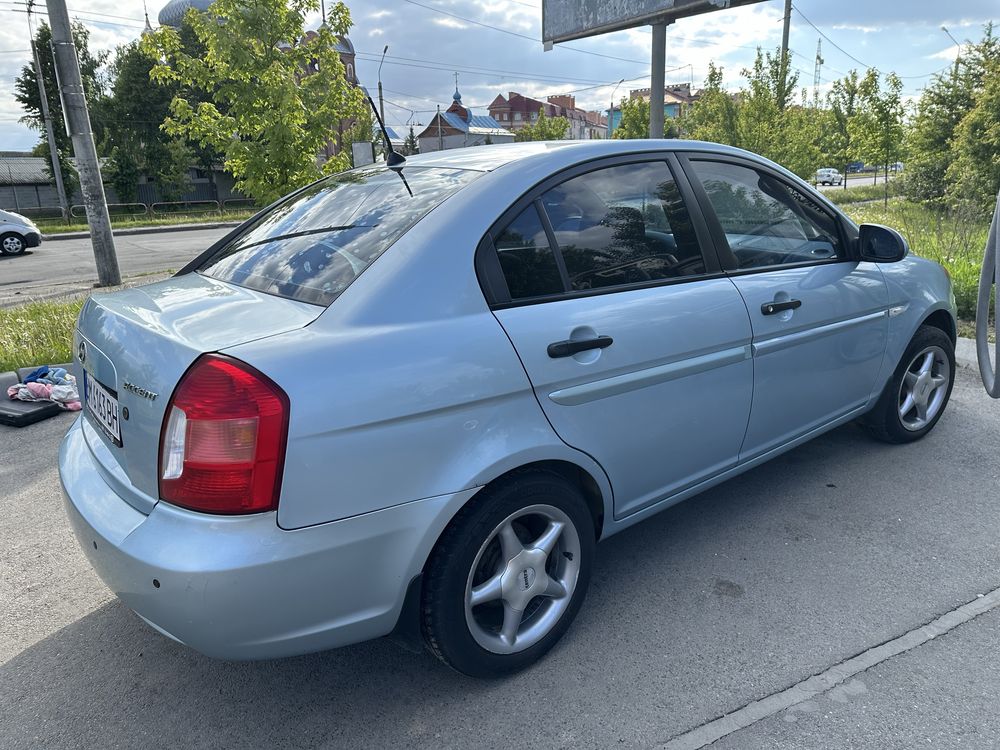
(863, 193)
(55, 226)
(37, 333)
(953, 240)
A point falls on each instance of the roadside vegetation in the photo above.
(37, 333)
(54, 226)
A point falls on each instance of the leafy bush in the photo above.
(955, 239)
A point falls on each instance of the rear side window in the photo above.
(623, 225)
(526, 258)
(312, 246)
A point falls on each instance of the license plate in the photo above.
(102, 406)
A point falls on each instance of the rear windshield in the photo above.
(312, 246)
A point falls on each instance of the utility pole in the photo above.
(381, 106)
(657, 84)
(784, 33)
(50, 134)
(440, 137)
(78, 119)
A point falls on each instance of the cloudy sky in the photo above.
(494, 46)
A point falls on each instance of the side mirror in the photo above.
(879, 244)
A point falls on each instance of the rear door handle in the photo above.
(773, 308)
(570, 347)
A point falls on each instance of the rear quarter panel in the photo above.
(407, 387)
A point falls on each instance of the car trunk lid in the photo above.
(137, 343)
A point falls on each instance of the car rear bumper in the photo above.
(240, 587)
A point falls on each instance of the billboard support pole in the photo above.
(657, 71)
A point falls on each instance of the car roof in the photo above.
(488, 158)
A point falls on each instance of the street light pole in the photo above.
(958, 54)
(611, 109)
(78, 119)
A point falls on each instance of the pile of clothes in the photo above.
(48, 384)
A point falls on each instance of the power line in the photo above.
(475, 70)
(520, 35)
(852, 57)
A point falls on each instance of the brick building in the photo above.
(517, 111)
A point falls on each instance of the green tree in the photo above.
(844, 105)
(26, 93)
(410, 145)
(135, 112)
(544, 129)
(974, 174)
(274, 96)
(713, 116)
(878, 126)
(943, 105)
(634, 122)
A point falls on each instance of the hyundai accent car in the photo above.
(410, 400)
(17, 233)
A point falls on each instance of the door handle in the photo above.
(772, 308)
(570, 347)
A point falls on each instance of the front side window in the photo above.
(313, 245)
(767, 221)
(623, 225)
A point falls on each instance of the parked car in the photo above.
(411, 400)
(17, 233)
(855, 166)
(828, 176)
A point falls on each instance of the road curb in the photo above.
(143, 230)
(965, 353)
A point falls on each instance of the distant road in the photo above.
(68, 264)
(856, 180)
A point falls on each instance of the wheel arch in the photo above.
(595, 489)
(943, 320)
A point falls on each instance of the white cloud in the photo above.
(948, 53)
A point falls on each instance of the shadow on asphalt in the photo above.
(717, 601)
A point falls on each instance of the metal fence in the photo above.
(53, 214)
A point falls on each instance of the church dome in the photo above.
(173, 12)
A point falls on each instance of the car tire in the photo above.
(12, 244)
(912, 401)
(494, 551)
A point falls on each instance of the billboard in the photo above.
(563, 20)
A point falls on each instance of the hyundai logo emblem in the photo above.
(82, 352)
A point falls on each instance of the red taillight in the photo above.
(223, 441)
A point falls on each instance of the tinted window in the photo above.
(767, 221)
(527, 260)
(623, 225)
(312, 246)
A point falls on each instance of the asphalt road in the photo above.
(66, 265)
(856, 180)
(729, 598)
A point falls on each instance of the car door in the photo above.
(819, 316)
(635, 343)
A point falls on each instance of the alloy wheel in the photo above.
(12, 244)
(523, 578)
(924, 388)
